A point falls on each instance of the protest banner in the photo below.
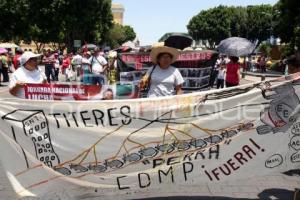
(65, 92)
(127, 149)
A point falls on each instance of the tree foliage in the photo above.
(59, 21)
(120, 34)
(216, 24)
(13, 23)
(288, 23)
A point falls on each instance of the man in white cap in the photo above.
(27, 73)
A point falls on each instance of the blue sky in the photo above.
(152, 18)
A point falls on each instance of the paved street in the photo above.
(275, 186)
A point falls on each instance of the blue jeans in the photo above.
(98, 79)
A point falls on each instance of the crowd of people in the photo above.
(226, 72)
(88, 67)
(96, 67)
(92, 68)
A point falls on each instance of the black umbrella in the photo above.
(236, 46)
(177, 40)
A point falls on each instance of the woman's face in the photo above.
(32, 64)
(164, 60)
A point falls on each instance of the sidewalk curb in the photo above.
(262, 76)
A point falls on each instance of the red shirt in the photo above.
(15, 61)
(232, 73)
(66, 62)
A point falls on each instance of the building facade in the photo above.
(118, 12)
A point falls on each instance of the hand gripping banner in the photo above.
(124, 149)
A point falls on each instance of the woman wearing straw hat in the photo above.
(164, 79)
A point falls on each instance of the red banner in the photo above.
(183, 56)
(62, 92)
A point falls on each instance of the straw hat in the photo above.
(156, 50)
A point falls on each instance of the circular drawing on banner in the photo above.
(295, 157)
(296, 128)
(295, 142)
(274, 161)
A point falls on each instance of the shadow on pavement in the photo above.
(280, 194)
(268, 194)
(197, 198)
(292, 172)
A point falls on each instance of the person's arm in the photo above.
(104, 64)
(178, 82)
(105, 67)
(16, 88)
(178, 89)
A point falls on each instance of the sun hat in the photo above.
(26, 56)
(156, 50)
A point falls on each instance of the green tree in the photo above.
(265, 48)
(87, 20)
(129, 33)
(288, 23)
(58, 21)
(211, 25)
(119, 34)
(259, 22)
(13, 23)
(216, 24)
(238, 21)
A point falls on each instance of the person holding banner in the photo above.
(163, 79)
(27, 73)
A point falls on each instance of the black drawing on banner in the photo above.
(274, 161)
(296, 128)
(36, 129)
(295, 157)
(295, 142)
(97, 168)
(279, 116)
(78, 168)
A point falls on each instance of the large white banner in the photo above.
(150, 147)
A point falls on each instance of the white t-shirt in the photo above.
(25, 76)
(56, 64)
(97, 64)
(77, 60)
(221, 74)
(164, 81)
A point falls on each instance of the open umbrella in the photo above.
(8, 45)
(3, 50)
(89, 46)
(177, 40)
(236, 46)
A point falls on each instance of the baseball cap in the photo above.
(26, 56)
